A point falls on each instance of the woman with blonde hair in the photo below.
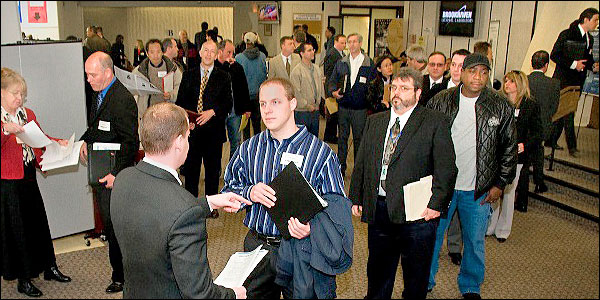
(139, 53)
(515, 86)
(27, 248)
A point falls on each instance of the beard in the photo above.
(399, 104)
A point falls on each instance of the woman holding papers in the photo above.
(376, 94)
(529, 137)
(27, 248)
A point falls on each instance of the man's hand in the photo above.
(166, 96)
(595, 68)
(205, 117)
(312, 107)
(580, 65)
(83, 153)
(240, 292)
(63, 143)
(520, 148)
(337, 95)
(263, 194)
(247, 114)
(492, 196)
(109, 179)
(13, 128)
(357, 210)
(430, 214)
(297, 229)
(229, 202)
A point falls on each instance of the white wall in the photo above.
(11, 28)
(41, 31)
(70, 19)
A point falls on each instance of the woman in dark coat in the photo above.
(375, 92)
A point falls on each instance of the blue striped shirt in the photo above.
(258, 160)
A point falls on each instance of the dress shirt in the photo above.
(451, 83)
(432, 82)
(259, 160)
(403, 119)
(587, 44)
(202, 71)
(287, 58)
(355, 64)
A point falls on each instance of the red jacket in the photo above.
(12, 153)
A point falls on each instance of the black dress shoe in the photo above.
(214, 214)
(54, 274)
(27, 288)
(471, 296)
(541, 188)
(115, 287)
(521, 208)
(456, 258)
(501, 240)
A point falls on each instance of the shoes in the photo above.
(541, 188)
(214, 214)
(27, 288)
(54, 274)
(501, 240)
(114, 287)
(456, 258)
(521, 208)
(557, 147)
(471, 296)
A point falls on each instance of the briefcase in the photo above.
(100, 164)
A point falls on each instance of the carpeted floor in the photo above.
(546, 256)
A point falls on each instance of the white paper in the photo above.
(33, 136)
(70, 159)
(239, 267)
(416, 197)
(137, 85)
(168, 82)
(106, 146)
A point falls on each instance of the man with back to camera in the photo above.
(161, 226)
(484, 137)
(416, 59)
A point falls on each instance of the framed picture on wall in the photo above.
(268, 29)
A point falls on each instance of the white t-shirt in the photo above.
(464, 138)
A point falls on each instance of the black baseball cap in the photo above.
(476, 59)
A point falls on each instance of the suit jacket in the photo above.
(161, 229)
(241, 95)
(424, 148)
(217, 96)
(546, 91)
(331, 58)
(120, 110)
(563, 59)
(277, 67)
(428, 93)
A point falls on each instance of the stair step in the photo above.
(569, 200)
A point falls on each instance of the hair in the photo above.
(166, 43)
(300, 36)
(482, 47)
(93, 28)
(331, 29)
(437, 53)
(153, 41)
(360, 38)
(304, 27)
(216, 29)
(99, 29)
(10, 78)
(463, 52)
(303, 46)
(588, 13)
(212, 34)
(539, 59)
(406, 73)
(204, 25)
(296, 27)
(70, 38)
(286, 84)
(216, 44)
(520, 79)
(284, 38)
(161, 124)
(105, 61)
(223, 44)
(379, 60)
(417, 53)
(338, 36)
(119, 39)
(140, 44)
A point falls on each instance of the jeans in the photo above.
(474, 221)
(233, 122)
(308, 119)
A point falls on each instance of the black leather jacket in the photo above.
(496, 136)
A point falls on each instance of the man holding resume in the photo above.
(406, 144)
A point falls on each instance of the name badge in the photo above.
(362, 79)
(104, 126)
(286, 158)
(384, 170)
(162, 74)
(517, 112)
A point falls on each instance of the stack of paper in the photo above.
(33, 136)
(239, 267)
(416, 197)
(137, 85)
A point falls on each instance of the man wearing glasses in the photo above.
(436, 64)
(405, 144)
(484, 136)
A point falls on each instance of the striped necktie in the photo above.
(287, 66)
(202, 87)
(390, 146)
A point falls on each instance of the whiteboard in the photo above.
(55, 92)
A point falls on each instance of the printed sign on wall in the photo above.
(37, 12)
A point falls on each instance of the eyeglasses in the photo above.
(436, 65)
(403, 88)
(22, 94)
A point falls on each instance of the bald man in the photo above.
(112, 119)
(187, 52)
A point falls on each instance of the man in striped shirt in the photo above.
(259, 160)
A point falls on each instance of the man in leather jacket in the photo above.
(483, 132)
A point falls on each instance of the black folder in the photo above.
(100, 163)
(295, 198)
(575, 50)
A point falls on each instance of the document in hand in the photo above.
(295, 198)
(101, 161)
(135, 84)
(168, 83)
(33, 136)
(332, 105)
(239, 266)
(416, 197)
(57, 156)
(244, 122)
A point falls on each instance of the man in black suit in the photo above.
(406, 144)
(207, 91)
(546, 91)
(332, 56)
(436, 64)
(161, 226)
(113, 119)
(571, 67)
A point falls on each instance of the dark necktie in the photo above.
(390, 146)
(99, 102)
(287, 66)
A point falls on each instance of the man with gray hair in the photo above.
(405, 144)
(416, 58)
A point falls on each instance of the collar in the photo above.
(540, 71)
(357, 58)
(581, 30)
(105, 90)
(159, 65)
(284, 58)
(403, 118)
(202, 70)
(297, 136)
(432, 82)
(451, 83)
(7, 116)
(164, 167)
